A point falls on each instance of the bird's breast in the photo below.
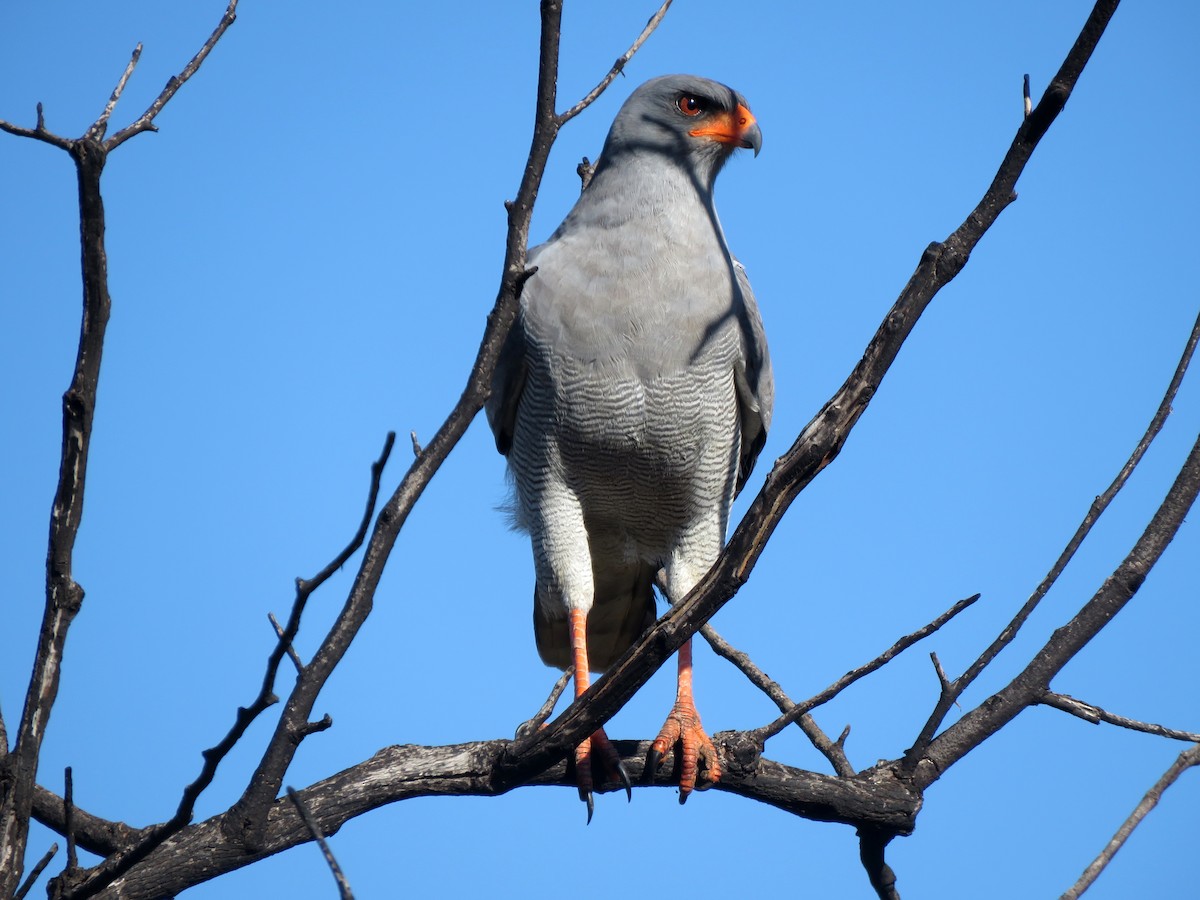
(631, 343)
(631, 303)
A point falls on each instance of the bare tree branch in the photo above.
(539, 718)
(831, 749)
(291, 651)
(1186, 759)
(1030, 685)
(205, 850)
(69, 818)
(872, 842)
(145, 122)
(64, 596)
(151, 837)
(617, 69)
(92, 833)
(96, 132)
(38, 132)
(769, 731)
(585, 170)
(1094, 714)
(36, 872)
(950, 696)
(315, 830)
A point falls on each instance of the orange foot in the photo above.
(599, 749)
(683, 727)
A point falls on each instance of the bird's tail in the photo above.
(623, 608)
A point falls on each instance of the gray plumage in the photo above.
(634, 392)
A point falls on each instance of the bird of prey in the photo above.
(632, 397)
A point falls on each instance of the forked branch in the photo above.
(145, 122)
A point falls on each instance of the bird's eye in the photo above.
(690, 106)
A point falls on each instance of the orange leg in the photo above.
(598, 742)
(683, 727)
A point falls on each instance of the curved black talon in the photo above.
(653, 758)
(591, 805)
(625, 781)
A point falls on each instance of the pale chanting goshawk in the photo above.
(633, 396)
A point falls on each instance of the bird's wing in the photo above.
(754, 378)
(508, 381)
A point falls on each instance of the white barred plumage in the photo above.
(634, 393)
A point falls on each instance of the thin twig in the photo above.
(539, 718)
(617, 69)
(96, 132)
(1094, 714)
(305, 587)
(941, 673)
(1027, 100)
(585, 170)
(832, 750)
(1186, 759)
(338, 875)
(36, 873)
(38, 132)
(291, 651)
(772, 729)
(1099, 505)
(145, 122)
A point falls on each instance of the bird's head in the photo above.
(694, 121)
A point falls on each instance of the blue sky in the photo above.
(302, 260)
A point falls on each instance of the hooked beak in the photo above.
(738, 128)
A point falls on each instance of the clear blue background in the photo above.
(303, 259)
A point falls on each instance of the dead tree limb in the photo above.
(206, 850)
(1094, 714)
(1186, 760)
(64, 596)
(1030, 686)
(955, 688)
